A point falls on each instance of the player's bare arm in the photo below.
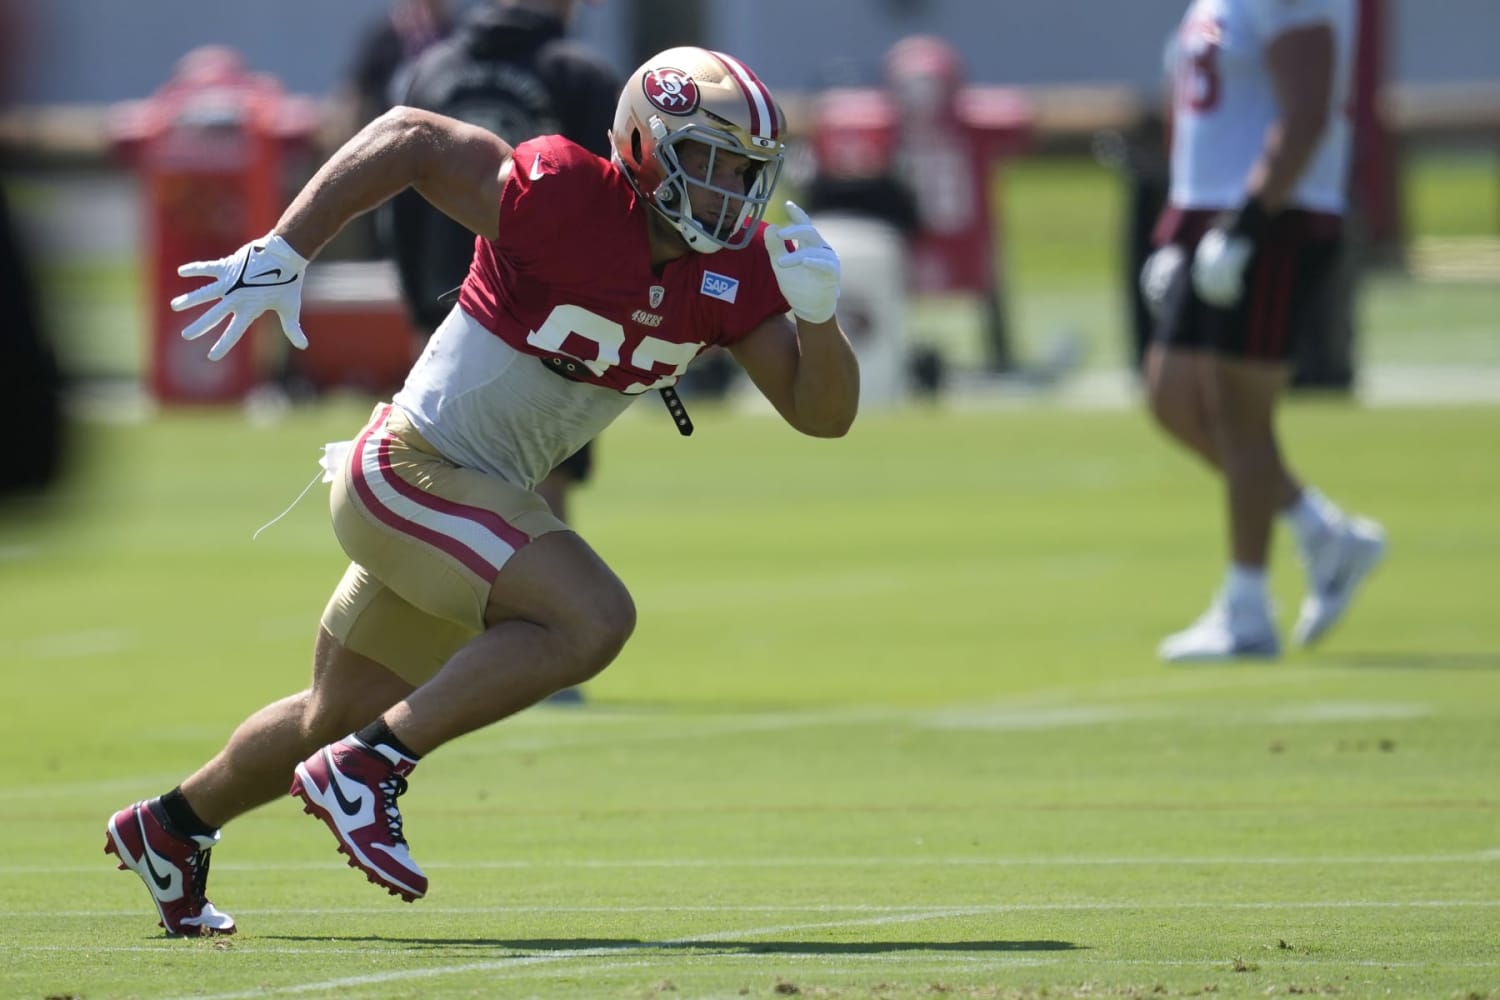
(1301, 64)
(804, 366)
(458, 167)
(806, 370)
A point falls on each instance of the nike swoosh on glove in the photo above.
(809, 275)
(264, 275)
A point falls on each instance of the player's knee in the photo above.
(325, 719)
(1180, 407)
(601, 630)
(1170, 409)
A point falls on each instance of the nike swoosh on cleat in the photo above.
(163, 882)
(349, 808)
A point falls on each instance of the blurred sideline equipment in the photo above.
(873, 303)
(943, 140)
(359, 335)
(861, 204)
(211, 146)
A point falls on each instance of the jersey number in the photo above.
(609, 338)
(1201, 81)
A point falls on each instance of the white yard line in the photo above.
(1380, 385)
(525, 966)
(505, 964)
(78, 644)
(508, 966)
(840, 861)
(913, 912)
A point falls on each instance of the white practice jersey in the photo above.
(489, 407)
(1223, 101)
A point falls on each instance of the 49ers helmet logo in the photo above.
(671, 90)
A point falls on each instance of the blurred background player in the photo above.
(30, 383)
(466, 599)
(946, 162)
(920, 154)
(1249, 239)
(381, 49)
(848, 173)
(509, 68)
(386, 44)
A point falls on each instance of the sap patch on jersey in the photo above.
(719, 286)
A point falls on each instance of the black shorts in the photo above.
(1286, 288)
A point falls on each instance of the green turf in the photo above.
(890, 727)
(1453, 191)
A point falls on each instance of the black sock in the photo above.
(181, 816)
(378, 734)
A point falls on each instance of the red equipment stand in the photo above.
(945, 140)
(209, 146)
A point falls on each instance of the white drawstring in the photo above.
(311, 483)
(328, 466)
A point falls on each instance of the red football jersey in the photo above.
(571, 274)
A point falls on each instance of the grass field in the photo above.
(890, 727)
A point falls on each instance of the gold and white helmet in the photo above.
(689, 94)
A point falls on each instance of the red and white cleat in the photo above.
(353, 789)
(174, 868)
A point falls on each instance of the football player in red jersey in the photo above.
(593, 281)
(1260, 153)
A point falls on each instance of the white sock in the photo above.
(1312, 516)
(1246, 584)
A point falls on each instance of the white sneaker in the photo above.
(1336, 567)
(1224, 634)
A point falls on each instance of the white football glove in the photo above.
(1219, 267)
(1157, 275)
(808, 275)
(1219, 262)
(264, 275)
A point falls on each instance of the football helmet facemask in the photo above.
(693, 95)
